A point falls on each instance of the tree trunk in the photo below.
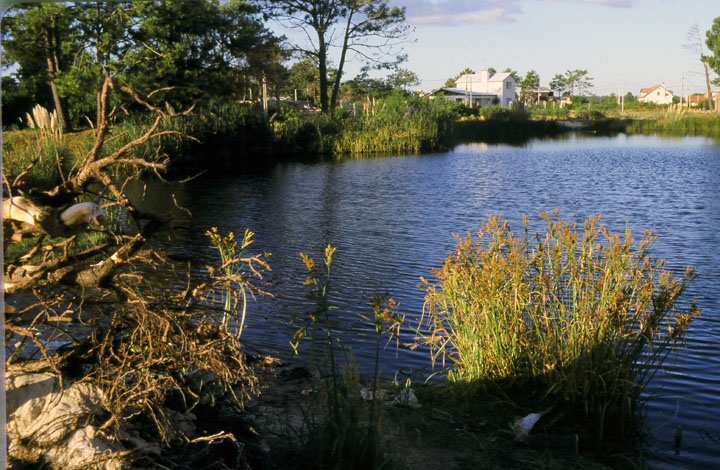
(336, 85)
(709, 91)
(322, 66)
(53, 65)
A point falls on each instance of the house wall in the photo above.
(659, 95)
(479, 82)
(508, 91)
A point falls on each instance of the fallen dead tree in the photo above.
(114, 363)
(58, 212)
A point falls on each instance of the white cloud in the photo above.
(463, 12)
(457, 12)
(496, 15)
(611, 3)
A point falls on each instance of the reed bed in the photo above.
(397, 124)
(580, 320)
(678, 120)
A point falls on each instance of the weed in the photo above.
(341, 436)
(235, 280)
(585, 319)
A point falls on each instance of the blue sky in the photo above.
(639, 42)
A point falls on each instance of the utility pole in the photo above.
(622, 99)
(682, 89)
(471, 93)
(467, 100)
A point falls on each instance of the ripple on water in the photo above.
(392, 219)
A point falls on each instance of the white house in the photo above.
(657, 94)
(481, 89)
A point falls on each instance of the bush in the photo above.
(584, 319)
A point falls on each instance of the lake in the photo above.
(392, 221)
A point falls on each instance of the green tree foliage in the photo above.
(452, 82)
(558, 84)
(528, 85)
(212, 48)
(369, 30)
(403, 79)
(202, 45)
(577, 81)
(512, 72)
(713, 43)
(362, 87)
(531, 80)
(303, 77)
(40, 40)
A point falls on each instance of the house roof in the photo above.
(499, 77)
(462, 91)
(647, 91)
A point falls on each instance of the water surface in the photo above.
(392, 221)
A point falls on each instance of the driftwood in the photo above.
(53, 221)
(56, 212)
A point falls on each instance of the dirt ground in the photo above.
(437, 434)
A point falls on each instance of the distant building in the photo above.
(696, 101)
(482, 89)
(657, 94)
(535, 95)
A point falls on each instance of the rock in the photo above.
(407, 399)
(43, 421)
(83, 446)
(369, 395)
(522, 426)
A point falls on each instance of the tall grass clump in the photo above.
(40, 154)
(581, 319)
(677, 121)
(550, 112)
(399, 123)
(338, 430)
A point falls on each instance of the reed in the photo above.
(678, 121)
(339, 431)
(397, 124)
(581, 320)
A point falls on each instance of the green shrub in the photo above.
(579, 319)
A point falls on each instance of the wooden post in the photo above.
(264, 94)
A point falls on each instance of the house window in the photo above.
(507, 85)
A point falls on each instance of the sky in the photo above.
(623, 44)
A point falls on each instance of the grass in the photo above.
(579, 320)
(397, 124)
(677, 120)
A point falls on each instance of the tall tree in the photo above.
(712, 40)
(33, 37)
(103, 40)
(402, 79)
(369, 29)
(303, 78)
(529, 85)
(558, 84)
(577, 79)
(694, 44)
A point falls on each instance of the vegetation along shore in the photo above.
(544, 343)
